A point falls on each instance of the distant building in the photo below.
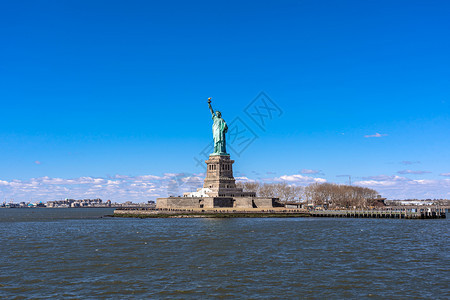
(76, 203)
(376, 202)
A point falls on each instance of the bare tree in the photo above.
(288, 192)
(251, 187)
(337, 196)
(267, 190)
(328, 195)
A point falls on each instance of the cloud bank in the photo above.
(399, 187)
(119, 188)
(142, 188)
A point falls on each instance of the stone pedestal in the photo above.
(219, 178)
(219, 190)
(219, 173)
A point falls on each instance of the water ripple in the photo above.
(76, 256)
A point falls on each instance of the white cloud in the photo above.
(412, 172)
(113, 182)
(245, 179)
(148, 177)
(374, 183)
(445, 174)
(376, 135)
(300, 179)
(169, 175)
(425, 181)
(385, 178)
(309, 171)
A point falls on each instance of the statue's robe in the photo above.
(219, 129)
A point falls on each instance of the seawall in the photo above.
(437, 213)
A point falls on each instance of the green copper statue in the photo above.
(219, 129)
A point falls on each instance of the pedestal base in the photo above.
(216, 202)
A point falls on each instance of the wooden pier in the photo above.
(388, 213)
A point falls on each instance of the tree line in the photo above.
(330, 195)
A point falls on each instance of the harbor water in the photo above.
(75, 253)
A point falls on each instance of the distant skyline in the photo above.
(108, 99)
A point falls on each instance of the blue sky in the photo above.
(117, 90)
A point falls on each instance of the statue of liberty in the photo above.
(219, 128)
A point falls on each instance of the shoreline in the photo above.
(233, 213)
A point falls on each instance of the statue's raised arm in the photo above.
(210, 107)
